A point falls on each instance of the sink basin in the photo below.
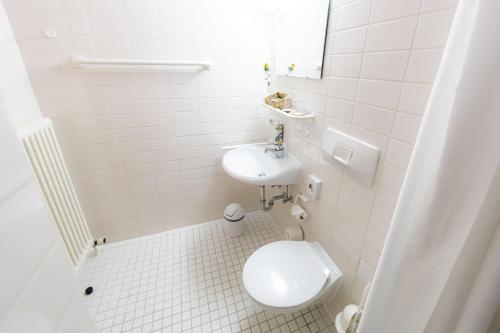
(251, 165)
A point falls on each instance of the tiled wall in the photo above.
(144, 146)
(381, 59)
(38, 290)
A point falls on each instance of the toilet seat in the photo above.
(284, 274)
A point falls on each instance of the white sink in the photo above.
(251, 165)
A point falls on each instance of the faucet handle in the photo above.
(277, 149)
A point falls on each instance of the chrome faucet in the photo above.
(277, 149)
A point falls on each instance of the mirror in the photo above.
(299, 38)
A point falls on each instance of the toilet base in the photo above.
(286, 310)
(338, 326)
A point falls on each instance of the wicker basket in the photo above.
(279, 100)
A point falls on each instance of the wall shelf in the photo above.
(289, 115)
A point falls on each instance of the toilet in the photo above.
(287, 276)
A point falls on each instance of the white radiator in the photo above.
(52, 174)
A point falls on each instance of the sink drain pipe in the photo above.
(285, 196)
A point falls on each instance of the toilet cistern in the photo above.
(356, 157)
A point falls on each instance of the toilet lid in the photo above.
(284, 274)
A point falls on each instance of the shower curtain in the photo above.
(440, 267)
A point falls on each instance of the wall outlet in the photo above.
(313, 187)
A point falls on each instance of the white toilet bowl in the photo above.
(286, 276)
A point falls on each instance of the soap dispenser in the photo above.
(278, 133)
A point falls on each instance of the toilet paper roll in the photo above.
(298, 212)
(346, 315)
(294, 233)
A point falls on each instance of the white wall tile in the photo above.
(339, 109)
(356, 201)
(124, 107)
(432, 5)
(384, 10)
(379, 93)
(138, 158)
(353, 15)
(380, 219)
(343, 88)
(423, 65)
(349, 41)
(143, 29)
(108, 46)
(348, 65)
(97, 136)
(405, 127)
(146, 46)
(374, 119)
(398, 154)
(394, 35)
(390, 177)
(174, 14)
(71, 7)
(414, 98)
(177, 31)
(351, 218)
(107, 27)
(69, 24)
(140, 10)
(105, 9)
(433, 29)
(128, 121)
(130, 134)
(31, 5)
(385, 65)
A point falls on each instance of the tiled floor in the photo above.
(187, 280)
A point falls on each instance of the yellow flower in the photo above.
(266, 67)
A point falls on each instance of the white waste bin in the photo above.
(234, 215)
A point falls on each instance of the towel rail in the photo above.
(82, 60)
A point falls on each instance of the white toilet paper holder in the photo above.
(300, 197)
(297, 211)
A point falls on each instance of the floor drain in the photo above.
(89, 290)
